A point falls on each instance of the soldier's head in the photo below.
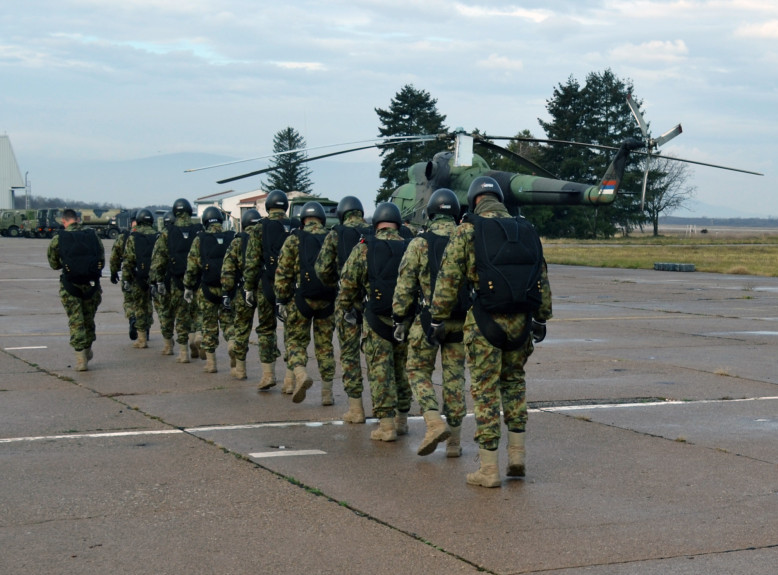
(483, 185)
(168, 218)
(144, 218)
(276, 200)
(212, 215)
(387, 215)
(249, 218)
(349, 204)
(313, 211)
(182, 206)
(69, 216)
(443, 202)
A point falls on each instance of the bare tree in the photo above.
(667, 188)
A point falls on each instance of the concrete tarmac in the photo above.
(652, 448)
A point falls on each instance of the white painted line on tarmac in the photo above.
(28, 347)
(648, 404)
(91, 435)
(286, 453)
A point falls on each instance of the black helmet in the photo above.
(387, 212)
(348, 204)
(443, 201)
(212, 215)
(144, 217)
(182, 206)
(276, 200)
(134, 216)
(249, 218)
(313, 210)
(483, 185)
(168, 218)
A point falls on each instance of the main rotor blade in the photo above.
(521, 160)
(638, 116)
(667, 136)
(548, 141)
(645, 182)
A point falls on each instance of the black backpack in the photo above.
(348, 237)
(383, 266)
(274, 233)
(310, 286)
(179, 242)
(212, 250)
(144, 247)
(436, 245)
(81, 256)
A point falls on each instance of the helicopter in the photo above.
(457, 168)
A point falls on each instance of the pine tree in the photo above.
(291, 173)
(411, 112)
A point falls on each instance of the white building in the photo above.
(10, 176)
(234, 204)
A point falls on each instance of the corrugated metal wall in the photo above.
(10, 176)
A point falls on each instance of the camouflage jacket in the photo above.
(288, 271)
(232, 268)
(160, 256)
(327, 263)
(52, 254)
(130, 258)
(458, 265)
(414, 275)
(254, 258)
(194, 261)
(118, 252)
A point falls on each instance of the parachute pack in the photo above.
(212, 250)
(383, 265)
(82, 261)
(310, 286)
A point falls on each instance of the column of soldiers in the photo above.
(476, 291)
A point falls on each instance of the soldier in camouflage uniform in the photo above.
(336, 249)
(276, 205)
(180, 315)
(202, 282)
(497, 373)
(306, 302)
(135, 274)
(417, 269)
(81, 259)
(162, 301)
(385, 357)
(232, 288)
(115, 264)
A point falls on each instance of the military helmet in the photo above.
(134, 215)
(483, 185)
(144, 217)
(444, 202)
(212, 215)
(249, 218)
(348, 204)
(182, 206)
(313, 210)
(276, 200)
(387, 212)
(168, 218)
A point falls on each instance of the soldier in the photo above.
(262, 253)
(232, 283)
(80, 254)
(336, 249)
(371, 268)
(168, 265)
(203, 275)
(502, 258)
(135, 274)
(162, 301)
(418, 271)
(305, 302)
(115, 264)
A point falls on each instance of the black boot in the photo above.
(133, 331)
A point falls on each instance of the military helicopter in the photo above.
(457, 168)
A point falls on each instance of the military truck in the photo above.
(12, 221)
(107, 223)
(330, 208)
(44, 224)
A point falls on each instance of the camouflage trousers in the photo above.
(389, 387)
(421, 364)
(266, 329)
(242, 318)
(497, 380)
(81, 317)
(179, 316)
(212, 316)
(162, 305)
(139, 300)
(349, 336)
(127, 303)
(297, 337)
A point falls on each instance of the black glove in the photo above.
(436, 335)
(538, 330)
(226, 302)
(115, 278)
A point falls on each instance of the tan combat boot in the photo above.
(199, 343)
(183, 355)
(269, 377)
(488, 475)
(516, 454)
(437, 431)
(141, 342)
(168, 348)
(240, 369)
(194, 348)
(453, 443)
(386, 430)
(231, 353)
(81, 360)
(288, 386)
(210, 362)
(326, 393)
(401, 423)
(355, 413)
(302, 383)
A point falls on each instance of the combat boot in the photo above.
(183, 355)
(81, 360)
(210, 362)
(89, 354)
(194, 348)
(240, 369)
(168, 347)
(302, 383)
(488, 475)
(516, 454)
(401, 423)
(288, 386)
(231, 353)
(269, 377)
(436, 432)
(453, 443)
(141, 342)
(326, 393)
(355, 413)
(386, 430)
(133, 329)
(199, 343)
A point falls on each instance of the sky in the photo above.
(90, 83)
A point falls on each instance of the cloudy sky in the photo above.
(112, 81)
